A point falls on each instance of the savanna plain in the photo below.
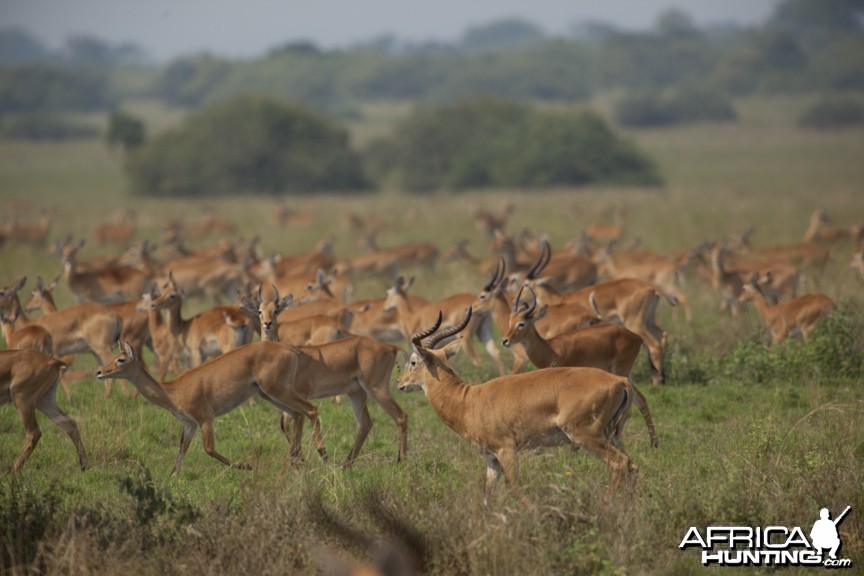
(749, 435)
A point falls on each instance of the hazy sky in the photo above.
(166, 29)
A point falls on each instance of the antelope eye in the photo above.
(482, 296)
(520, 325)
(260, 313)
(121, 360)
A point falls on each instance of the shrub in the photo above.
(125, 130)
(488, 142)
(689, 103)
(833, 112)
(45, 126)
(34, 87)
(247, 145)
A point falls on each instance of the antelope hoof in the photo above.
(323, 453)
(242, 466)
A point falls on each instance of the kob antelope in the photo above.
(610, 347)
(798, 315)
(28, 379)
(579, 406)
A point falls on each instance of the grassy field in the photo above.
(748, 436)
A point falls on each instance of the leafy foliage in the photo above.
(247, 145)
(33, 87)
(125, 130)
(44, 126)
(487, 142)
(685, 104)
(833, 112)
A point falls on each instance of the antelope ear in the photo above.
(542, 312)
(285, 302)
(453, 348)
(127, 349)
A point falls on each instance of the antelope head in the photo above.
(522, 316)
(427, 361)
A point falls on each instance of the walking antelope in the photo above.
(610, 347)
(356, 366)
(583, 407)
(210, 333)
(198, 396)
(797, 315)
(28, 380)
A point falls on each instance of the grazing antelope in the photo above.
(309, 330)
(583, 407)
(165, 347)
(610, 347)
(563, 272)
(32, 234)
(120, 230)
(28, 380)
(134, 322)
(356, 366)
(628, 301)
(389, 261)
(605, 233)
(30, 337)
(488, 223)
(208, 334)
(727, 283)
(411, 319)
(820, 229)
(494, 303)
(660, 271)
(113, 284)
(798, 315)
(88, 327)
(197, 397)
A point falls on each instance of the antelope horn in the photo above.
(533, 306)
(276, 293)
(547, 250)
(260, 286)
(494, 280)
(419, 336)
(518, 298)
(450, 331)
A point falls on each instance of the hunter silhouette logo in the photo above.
(771, 545)
(824, 533)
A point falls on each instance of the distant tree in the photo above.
(45, 126)
(686, 103)
(484, 142)
(125, 130)
(835, 111)
(675, 23)
(188, 81)
(507, 34)
(31, 87)
(817, 22)
(247, 145)
(18, 46)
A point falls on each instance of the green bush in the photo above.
(487, 142)
(125, 130)
(29, 88)
(248, 144)
(45, 126)
(689, 103)
(833, 112)
(835, 348)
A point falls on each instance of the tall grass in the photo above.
(748, 435)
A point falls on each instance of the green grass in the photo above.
(748, 436)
